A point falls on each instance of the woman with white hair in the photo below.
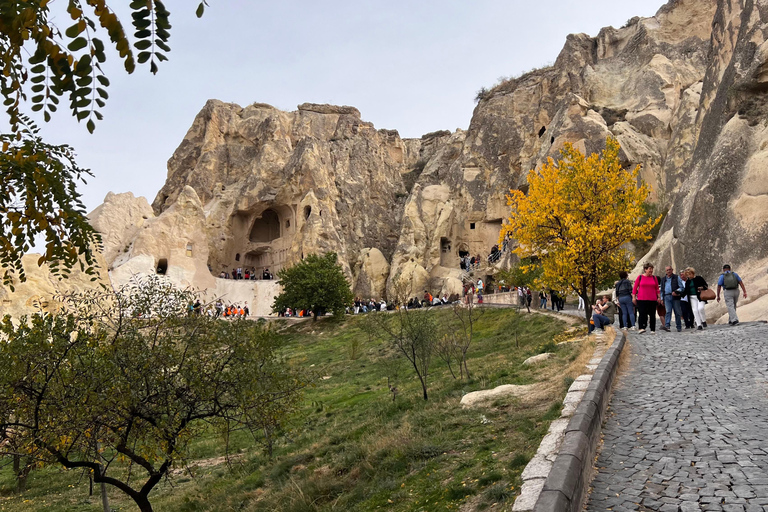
(693, 288)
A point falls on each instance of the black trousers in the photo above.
(647, 309)
(687, 313)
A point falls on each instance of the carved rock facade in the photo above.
(683, 92)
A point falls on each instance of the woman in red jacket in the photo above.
(645, 295)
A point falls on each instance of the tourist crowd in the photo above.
(247, 274)
(219, 309)
(684, 293)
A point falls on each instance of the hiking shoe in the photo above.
(665, 328)
(699, 328)
(641, 331)
(704, 324)
(679, 330)
(735, 322)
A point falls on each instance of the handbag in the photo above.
(707, 294)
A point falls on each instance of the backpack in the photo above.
(730, 282)
(624, 287)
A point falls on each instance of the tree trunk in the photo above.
(21, 468)
(143, 503)
(104, 498)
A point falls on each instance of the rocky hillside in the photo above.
(255, 187)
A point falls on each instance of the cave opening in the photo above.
(266, 228)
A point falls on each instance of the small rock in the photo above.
(537, 359)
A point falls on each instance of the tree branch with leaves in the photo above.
(42, 64)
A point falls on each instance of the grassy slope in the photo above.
(352, 447)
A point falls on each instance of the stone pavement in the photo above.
(687, 427)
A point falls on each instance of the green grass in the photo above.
(351, 447)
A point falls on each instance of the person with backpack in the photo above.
(646, 296)
(624, 296)
(730, 281)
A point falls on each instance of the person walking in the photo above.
(693, 288)
(542, 300)
(671, 293)
(685, 303)
(624, 296)
(646, 296)
(730, 281)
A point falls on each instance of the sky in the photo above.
(411, 66)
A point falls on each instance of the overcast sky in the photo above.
(413, 66)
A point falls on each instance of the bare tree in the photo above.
(415, 335)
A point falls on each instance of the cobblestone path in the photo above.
(687, 427)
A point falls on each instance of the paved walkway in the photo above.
(687, 427)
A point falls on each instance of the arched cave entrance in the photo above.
(162, 267)
(447, 258)
(266, 228)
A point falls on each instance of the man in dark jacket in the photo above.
(671, 293)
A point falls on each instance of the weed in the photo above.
(519, 461)
(490, 478)
(499, 493)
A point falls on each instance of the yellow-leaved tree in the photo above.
(576, 218)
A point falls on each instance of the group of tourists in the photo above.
(684, 293)
(469, 263)
(248, 274)
(219, 309)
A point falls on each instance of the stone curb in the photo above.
(566, 485)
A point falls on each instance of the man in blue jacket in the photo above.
(671, 293)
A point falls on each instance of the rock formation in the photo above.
(256, 187)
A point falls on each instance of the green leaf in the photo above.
(142, 45)
(200, 10)
(90, 125)
(40, 68)
(103, 80)
(74, 31)
(77, 44)
(83, 66)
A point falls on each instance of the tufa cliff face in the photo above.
(683, 92)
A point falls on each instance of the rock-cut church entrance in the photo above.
(266, 228)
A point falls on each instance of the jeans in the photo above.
(543, 304)
(671, 303)
(627, 310)
(601, 321)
